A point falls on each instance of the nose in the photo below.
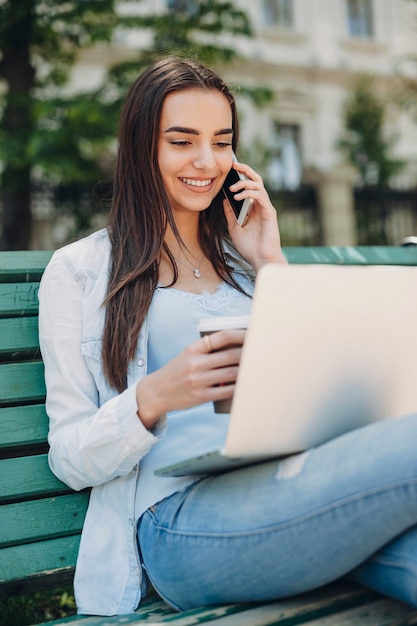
(204, 158)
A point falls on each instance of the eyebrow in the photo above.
(193, 131)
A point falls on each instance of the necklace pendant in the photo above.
(197, 273)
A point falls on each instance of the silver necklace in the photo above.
(194, 270)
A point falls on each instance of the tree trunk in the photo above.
(17, 126)
(16, 213)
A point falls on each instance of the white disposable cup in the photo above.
(210, 325)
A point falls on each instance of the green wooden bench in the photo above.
(41, 518)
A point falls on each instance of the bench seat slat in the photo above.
(28, 477)
(23, 426)
(384, 612)
(297, 610)
(18, 334)
(22, 382)
(18, 299)
(152, 610)
(47, 518)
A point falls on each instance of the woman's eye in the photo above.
(180, 142)
(223, 144)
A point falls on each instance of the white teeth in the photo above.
(197, 183)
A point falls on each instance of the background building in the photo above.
(309, 53)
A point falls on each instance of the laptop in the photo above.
(328, 349)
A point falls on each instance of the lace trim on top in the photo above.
(212, 303)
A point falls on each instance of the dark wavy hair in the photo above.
(140, 210)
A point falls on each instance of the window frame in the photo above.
(189, 6)
(360, 19)
(279, 16)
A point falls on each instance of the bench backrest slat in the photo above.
(18, 299)
(22, 382)
(353, 255)
(24, 265)
(37, 520)
(22, 427)
(25, 567)
(18, 335)
(28, 477)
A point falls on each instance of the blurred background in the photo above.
(326, 89)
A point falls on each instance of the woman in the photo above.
(130, 384)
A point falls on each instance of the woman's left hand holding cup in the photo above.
(197, 375)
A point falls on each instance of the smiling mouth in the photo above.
(197, 183)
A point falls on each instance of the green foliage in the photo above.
(70, 136)
(69, 133)
(37, 607)
(363, 140)
(179, 30)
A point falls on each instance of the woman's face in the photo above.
(194, 147)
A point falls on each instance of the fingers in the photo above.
(221, 340)
(251, 187)
(247, 188)
(208, 343)
(195, 376)
(216, 379)
(221, 361)
(247, 171)
(252, 181)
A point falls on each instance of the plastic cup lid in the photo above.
(223, 323)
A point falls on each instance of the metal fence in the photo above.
(299, 218)
(385, 216)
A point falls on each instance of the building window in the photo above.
(278, 13)
(182, 6)
(285, 166)
(360, 19)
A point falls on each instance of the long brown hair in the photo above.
(140, 210)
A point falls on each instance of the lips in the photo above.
(197, 183)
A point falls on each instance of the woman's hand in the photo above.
(190, 378)
(259, 240)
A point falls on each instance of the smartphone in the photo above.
(241, 208)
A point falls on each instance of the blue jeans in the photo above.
(283, 527)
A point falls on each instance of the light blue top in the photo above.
(173, 318)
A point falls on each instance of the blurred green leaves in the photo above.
(364, 141)
(50, 134)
